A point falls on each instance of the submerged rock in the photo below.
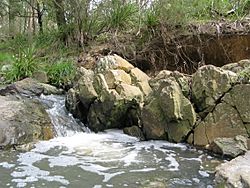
(235, 173)
(20, 125)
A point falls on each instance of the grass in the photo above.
(61, 73)
(24, 64)
(6, 58)
(44, 53)
(109, 17)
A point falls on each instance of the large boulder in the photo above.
(29, 87)
(228, 119)
(168, 114)
(182, 79)
(87, 93)
(235, 173)
(116, 77)
(224, 121)
(153, 120)
(21, 125)
(112, 62)
(239, 98)
(209, 84)
(110, 96)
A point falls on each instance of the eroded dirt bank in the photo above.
(183, 49)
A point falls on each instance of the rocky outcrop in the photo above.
(235, 173)
(20, 125)
(167, 113)
(228, 119)
(224, 121)
(110, 96)
(23, 119)
(208, 109)
(222, 103)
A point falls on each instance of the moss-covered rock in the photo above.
(112, 114)
(181, 79)
(238, 66)
(240, 99)
(153, 120)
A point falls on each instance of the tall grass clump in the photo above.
(61, 73)
(24, 65)
(119, 15)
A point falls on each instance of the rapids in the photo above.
(109, 159)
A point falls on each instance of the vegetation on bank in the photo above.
(49, 35)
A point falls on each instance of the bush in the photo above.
(61, 73)
(120, 15)
(23, 66)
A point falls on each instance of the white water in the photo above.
(109, 159)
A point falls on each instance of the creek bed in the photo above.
(109, 159)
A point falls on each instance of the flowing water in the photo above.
(110, 159)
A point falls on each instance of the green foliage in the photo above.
(23, 66)
(61, 73)
(151, 18)
(5, 58)
(181, 12)
(120, 15)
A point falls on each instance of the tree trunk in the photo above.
(12, 29)
(60, 19)
(39, 17)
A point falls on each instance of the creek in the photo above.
(78, 158)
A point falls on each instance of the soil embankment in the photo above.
(184, 49)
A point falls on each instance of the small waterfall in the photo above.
(64, 123)
(77, 157)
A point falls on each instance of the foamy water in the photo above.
(109, 159)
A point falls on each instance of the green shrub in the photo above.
(23, 66)
(61, 73)
(120, 15)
